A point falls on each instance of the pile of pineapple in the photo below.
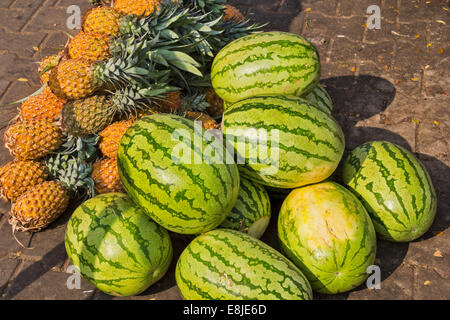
(132, 58)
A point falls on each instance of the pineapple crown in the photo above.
(83, 148)
(195, 102)
(73, 173)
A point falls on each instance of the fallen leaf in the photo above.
(441, 22)
(427, 2)
(35, 48)
(441, 50)
(415, 79)
(426, 283)
(417, 35)
(307, 9)
(440, 234)
(429, 45)
(416, 121)
(438, 254)
(386, 67)
(353, 69)
(436, 123)
(364, 25)
(19, 253)
(446, 9)
(22, 79)
(427, 66)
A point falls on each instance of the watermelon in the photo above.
(395, 188)
(230, 265)
(265, 63)
(251, 214)
(116, 246)
(172, 168)
(283, 141)
(320, 97)
(328, 233)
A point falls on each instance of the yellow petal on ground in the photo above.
(428, 45)
(441, 22)
(35, 48)
(416, 121)
(417, 35)
(415, 79)
(307, 9)
(438, 254)
(436, 123)
(19, 253)
(427, 66)
(426, 283)
(441, 50)
(22, 79)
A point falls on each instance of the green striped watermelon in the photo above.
(251, 214)
(189, 197)
(116, 246)
(265, 63)
(320, 97)
(394, 187)
(327, 232)
(307, 149)
(229, 265)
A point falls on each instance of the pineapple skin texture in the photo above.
(39, 206)
(17, 176)
(43, 106)
(49, 63)
(207, 121)
(87, 116)
(106, 176)
(73, 79)
(233, 13)
(102, 19)
(216, 103)
(111, 136)
(90, 46)
(137, 7)
(172, 102)
(30, 140)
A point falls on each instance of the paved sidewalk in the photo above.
(389, 84)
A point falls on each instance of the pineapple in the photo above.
(102, 19)
(49, 63)
(106, 176)
(136, 7)
(233, 14)
(29, 140)
(215, 108)
(39, 206)
(43, 106)
(90, 46)
(111, 136)
(172, 102)
(87, 116)
(100, 2)
(207, 122)
(18, 176)
(73, 79)
(73, 172)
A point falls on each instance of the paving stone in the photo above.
(411, 10)
(430, 139)
(8, 245)
(14, 19)
(21, 44)
(7, 268)
(48, 19)
(356, 8)
(430, 286)
(6, 3)
(32, 283)
(379, 54)
(327, 7)
(52, 45)
(379, 35)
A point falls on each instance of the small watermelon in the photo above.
(179, 173)
(230, 265)
(283, 141)
(395, 188)
(251, 214)
(265, 63)
(116, 246)
(327, 232)
(320, 97)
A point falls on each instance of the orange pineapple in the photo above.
(102, 20)
(29, 140)
(207, 122)
(110, 137)
(233, 13)
(137, 7)
(90, 46)
(18, 176)
(39, 206)
(172, 102)
(43, 106)
(49, 63)
(215, 102)
(106, 176)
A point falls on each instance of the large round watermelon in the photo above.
(320, 97)
(116, 246)
(251, 214)
(230, 265)
(180, 174)
(265, 63)
(283, 141)
(327, 232)
(394, 187)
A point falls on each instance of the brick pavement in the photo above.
(386, 84)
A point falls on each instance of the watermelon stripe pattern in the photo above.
(308, 150)
(395, 188)
(186, 198)
(327, 232)
(116, 246)
(230, 265)
(320, 97)
(252, 211)
(265, 63)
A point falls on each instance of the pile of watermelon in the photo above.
(278, 137)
